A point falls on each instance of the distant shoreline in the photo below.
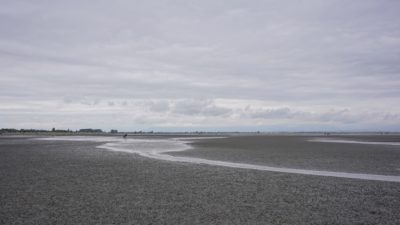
(75, 133)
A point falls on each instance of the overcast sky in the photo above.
(215, 65)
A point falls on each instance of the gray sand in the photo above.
(75, 183)
(298, 152)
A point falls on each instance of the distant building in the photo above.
(114, 131)
(90, 130)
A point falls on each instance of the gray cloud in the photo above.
(164, 64)
(159, 106)
(199, 107)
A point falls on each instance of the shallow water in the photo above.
(326, 140)
(156, 149)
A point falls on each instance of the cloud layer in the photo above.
(212, 65)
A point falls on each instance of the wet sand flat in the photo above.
(302, 153)
(62, 182)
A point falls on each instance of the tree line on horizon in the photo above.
(14, 130)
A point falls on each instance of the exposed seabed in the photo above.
(157, 149)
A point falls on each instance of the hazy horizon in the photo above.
(200, 66)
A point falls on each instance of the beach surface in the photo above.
(75, 182)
